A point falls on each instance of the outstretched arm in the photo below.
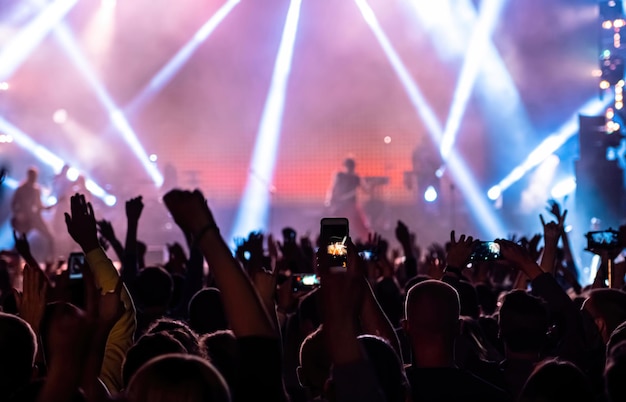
(406, 241)
(342, 296)
(23, 248)
(106, 230)
(245, 311)
(81, 225)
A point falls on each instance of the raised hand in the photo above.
(519, 258)
(265, 283)
(403, 235)
(555, 209)
(189, 210)
(459, 251)
(272, 249)
(255, 246)
(106, 229)
(21, 244)
(23, 248)
(81, 224)
(134, 207)
(532, 246)
(31, 303)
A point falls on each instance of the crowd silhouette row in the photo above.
(414, 323)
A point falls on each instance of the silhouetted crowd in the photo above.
(276, 321)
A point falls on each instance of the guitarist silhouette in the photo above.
(26, 207)
(341, 199)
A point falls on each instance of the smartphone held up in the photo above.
(76, 264)
(485, 251)
(334, 234)
(304, 282)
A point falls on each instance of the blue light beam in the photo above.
(457, 166)
(474, 58)
(118, 119)
(420, 104)
(253, 210)
(14, 54)
(165, 75)
(549, 146)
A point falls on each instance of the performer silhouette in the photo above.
(341, 199)
(26, 207)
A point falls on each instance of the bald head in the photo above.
(432, 308)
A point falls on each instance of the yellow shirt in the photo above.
(121, 336)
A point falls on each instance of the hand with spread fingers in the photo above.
(31, 302)
(81, 223)
(460, 251)
(189, 210)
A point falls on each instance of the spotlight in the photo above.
(604, 84)
(387, 140)
(494, 193)
(612, 69)
(153, 158)
(72, 174)
(253, 210)
(4, 86)
(610, 113)
(60, 116)
(5, 139)
(430, 195)
(110, 200)
(607, 24)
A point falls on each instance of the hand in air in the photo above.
(81, 223)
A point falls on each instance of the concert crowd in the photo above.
(280, 320)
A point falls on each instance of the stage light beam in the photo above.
(552, 143)
(467, 184)
(118, 119)
(49, 158)
(253, 210)
(474, 58)
(416, 97)
(165, 75)
(14, 54)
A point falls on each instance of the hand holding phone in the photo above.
(486, 251)
(305, 282)
(603, 240)
(75, 265)
(334, 236)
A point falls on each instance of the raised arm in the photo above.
(23, 248)
(342, 296)
(559, 304)
(106, 230)
(405, 239)
(81, 225)
(551, 233)
(130, 263)
(458, 254)
(245, 311)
